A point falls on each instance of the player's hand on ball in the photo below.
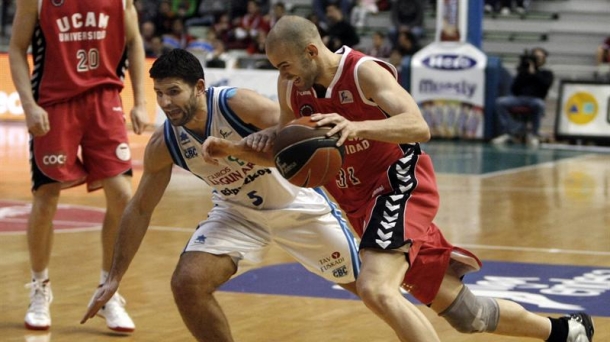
(339, 125)
(101, 296)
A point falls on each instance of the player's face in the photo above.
(297, 67)
(177, 99)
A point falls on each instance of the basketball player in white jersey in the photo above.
(253, 205)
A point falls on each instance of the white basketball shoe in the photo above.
(38, 316)
(580, 327)
(117, 318)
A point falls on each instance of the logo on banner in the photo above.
(449, 61)
(581, 108)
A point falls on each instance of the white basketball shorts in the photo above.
(310, 229)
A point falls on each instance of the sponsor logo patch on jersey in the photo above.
(123, 152)
(57, 159)
(190, 152)
(306, 110)
(225, 132)
(345, 96)
(184, 138)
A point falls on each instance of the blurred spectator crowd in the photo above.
(232, 33)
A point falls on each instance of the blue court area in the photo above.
(477, 158)
(557, 289)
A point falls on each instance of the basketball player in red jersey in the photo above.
(80, 52)
(388, 190)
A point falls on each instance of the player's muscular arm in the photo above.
(136, 218)
(26, 17)
(254, 108)
(405, 124)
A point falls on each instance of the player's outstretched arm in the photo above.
(136, 218)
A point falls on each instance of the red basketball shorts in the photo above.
(87, 141)
(402, 220)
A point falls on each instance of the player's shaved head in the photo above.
(293, 33)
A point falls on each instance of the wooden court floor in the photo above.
(552, 209)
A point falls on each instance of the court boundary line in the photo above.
(548, 164)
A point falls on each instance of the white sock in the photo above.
(103, 277)
(40, 276)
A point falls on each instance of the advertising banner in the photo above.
(583, 110)
(448, 82)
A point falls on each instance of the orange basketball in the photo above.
(305, 156)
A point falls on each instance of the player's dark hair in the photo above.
(177, 63)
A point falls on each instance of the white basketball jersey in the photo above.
(233, 180)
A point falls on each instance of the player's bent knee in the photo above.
(472, 314)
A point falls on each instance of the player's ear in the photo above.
(200, 87)
(311, 50)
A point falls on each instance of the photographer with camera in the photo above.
(526, 104)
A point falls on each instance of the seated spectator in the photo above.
(184, 8)
(316, 21)
(361, 11)
(526, 105)
(147, 10)
(178, 38)
(164, 18)
(278, 10)
(147, 31)
(223, 27)
(249, 26)
(219, 57)
(239, 8)
(257, 47)
(208, 12)
(319, 9)
(406, 43)
(340, 32)
(407, 15)
(395, 59)
(157, 47)
(201, 47)
(603, 52)
(379, 46)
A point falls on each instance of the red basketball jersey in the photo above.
(366, 169)
(76, 46)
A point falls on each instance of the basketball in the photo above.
(305, 156)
